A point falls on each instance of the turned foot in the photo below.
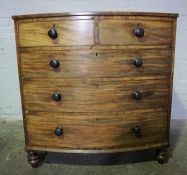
(35, 158)
(161, 156)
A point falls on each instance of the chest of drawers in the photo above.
(95, 82)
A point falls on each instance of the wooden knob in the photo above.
(56, 96)
(58, 131)
(139, 32)
(137, 95)
(137, 130)
(52, 33)
(138, 62)
(54, 63)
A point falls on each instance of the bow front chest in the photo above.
(95, 82)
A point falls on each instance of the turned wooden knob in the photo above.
(58, 131)
(139, 31)
(54, 63)
(52, 33)
(138, 62)
(137, 130)
(56, 96)
(137, 95)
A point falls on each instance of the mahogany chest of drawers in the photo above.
(95, 82)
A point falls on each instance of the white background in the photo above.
(10, 107)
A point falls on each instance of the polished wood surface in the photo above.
(96, 79)
(112, 13)
(95, 63)
(96, 131)
(120, 32)
(79, 32)
(94, 95)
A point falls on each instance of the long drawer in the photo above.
(95, 63)
(97, 131)
(93, 95)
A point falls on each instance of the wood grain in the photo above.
(98, 131)
(112, 13)
(74, 32)
(94, 95)
(120, 32)
(95, 63)
(96, 79)
(18, 53)
(171, 76)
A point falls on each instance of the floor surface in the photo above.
(13, 159)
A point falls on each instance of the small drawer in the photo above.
(56, 33)
(135, 32)
(96, 95)
(134, 130)
(95, 63)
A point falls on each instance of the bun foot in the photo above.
(161, 156)
(35, 158)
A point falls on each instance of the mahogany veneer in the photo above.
(95, 82)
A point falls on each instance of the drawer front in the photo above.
(95, 63)
(94, 95)
(75, 32)
(121, 32)
(97, 131)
